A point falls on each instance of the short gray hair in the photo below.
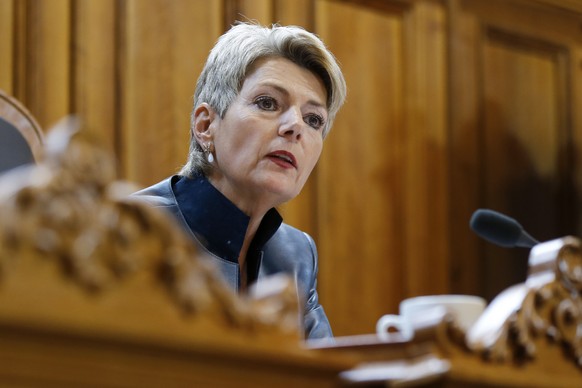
(229, 61)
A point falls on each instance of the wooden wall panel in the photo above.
(466, 268)
(298, 12)
(382, 194)
(574, 102)
(7, 44)
(427, 256)
(164, 48)
(522, 134)
(361, 185)
(95, 64)
(261, 11)
(514, 149)
(47, 72)
(286, 12)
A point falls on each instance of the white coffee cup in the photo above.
(465, 309)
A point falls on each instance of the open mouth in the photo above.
(283, 158)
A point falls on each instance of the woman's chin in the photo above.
(282, 192)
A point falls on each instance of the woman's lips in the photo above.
(283, 158)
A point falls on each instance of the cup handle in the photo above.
(404, 330)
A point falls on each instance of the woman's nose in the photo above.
(291, 124)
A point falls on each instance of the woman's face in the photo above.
(270, 138)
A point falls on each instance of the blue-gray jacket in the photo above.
(218, 226)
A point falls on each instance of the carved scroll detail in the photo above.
(71, 210)
(547, 307)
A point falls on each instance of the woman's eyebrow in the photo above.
(284, 91)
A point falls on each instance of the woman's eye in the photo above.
(266, 103)
(315, 121)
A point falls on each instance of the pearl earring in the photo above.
(207, 148)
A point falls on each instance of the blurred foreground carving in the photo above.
(69, 215)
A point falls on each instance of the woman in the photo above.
(264, 102)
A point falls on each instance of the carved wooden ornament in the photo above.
(546, 310)
(70, 211)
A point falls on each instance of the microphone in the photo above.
(500, 229)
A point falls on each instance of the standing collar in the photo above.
(217, 222)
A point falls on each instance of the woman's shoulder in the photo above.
(159, 194)
(288, 237)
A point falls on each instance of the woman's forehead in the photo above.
(286, 76)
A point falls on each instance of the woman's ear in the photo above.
(204, 117)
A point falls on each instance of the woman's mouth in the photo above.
(283, 158)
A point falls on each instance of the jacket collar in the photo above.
(217, 222)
